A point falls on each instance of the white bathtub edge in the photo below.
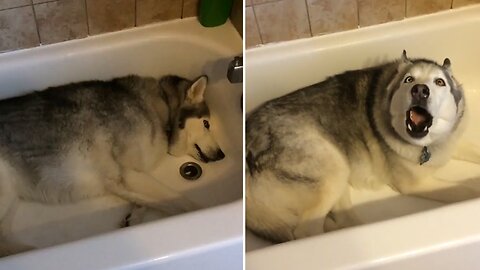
(165, 240)
(376, 244)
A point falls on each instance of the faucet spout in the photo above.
(235, 70)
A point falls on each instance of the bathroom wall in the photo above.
(30, 23)
(237, 15)
(279, 20)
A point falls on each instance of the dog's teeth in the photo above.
(409, 127)
(425, 129)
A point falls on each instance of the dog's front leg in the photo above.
(437, 189)
(144, 190)
(342, 215)
(163, 206)
(312, 220)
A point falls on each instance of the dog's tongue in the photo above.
(416, 118)
(418, 121)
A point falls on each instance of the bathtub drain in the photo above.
(190, 171)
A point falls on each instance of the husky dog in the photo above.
(77, 141)
(393, 124)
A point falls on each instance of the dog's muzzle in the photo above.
(418, 121)
(217, 156)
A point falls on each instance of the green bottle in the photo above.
(214, 12)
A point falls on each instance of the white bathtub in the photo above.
(400, 233)
(210, 238)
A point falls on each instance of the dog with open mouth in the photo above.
(393, 124)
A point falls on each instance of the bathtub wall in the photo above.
(30, 23)
(279, 20)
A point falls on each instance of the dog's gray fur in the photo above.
(305, 148)
(77, 141)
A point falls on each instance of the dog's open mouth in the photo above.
(202, 155)
(418, 121)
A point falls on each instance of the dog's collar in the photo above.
(425, 156)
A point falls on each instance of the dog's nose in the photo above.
(220, 154)
(420, 91)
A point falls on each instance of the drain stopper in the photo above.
(190, 171)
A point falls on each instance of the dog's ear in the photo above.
(197, 90)
(404, 57)
(447, 64)
(404, 61)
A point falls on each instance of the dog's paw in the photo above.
(335, 221)
(304, 230)
(330, 224)
(126, 221)
(134, 217)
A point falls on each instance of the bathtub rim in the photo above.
(184, 235)
(376, 250)
(187, 27)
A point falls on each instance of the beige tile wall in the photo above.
(279, 20)
(29, 23)
(237, 15)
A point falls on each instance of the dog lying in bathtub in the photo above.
(393, 124)
(77, 141)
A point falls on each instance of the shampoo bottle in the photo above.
(214, 12)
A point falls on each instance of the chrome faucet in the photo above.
(235, 70)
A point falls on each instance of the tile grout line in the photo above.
(36, 23)
(265, 3)
(256, 24)
(86, 18)
(308, 16)
(358, 14)
(135, 23)
(406, 6)
(183, 6)
(27, 5)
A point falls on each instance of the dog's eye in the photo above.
(206, 124)
(440, 82)
(181, 124)
(408, 79)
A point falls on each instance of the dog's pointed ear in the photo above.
(197, 90)
(447, 64)
(404, 57)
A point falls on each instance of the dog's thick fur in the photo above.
(305, 148)
(77, 141)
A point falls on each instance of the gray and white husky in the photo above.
(393, 124)
(77, 141)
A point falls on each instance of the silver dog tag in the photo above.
(425, 156)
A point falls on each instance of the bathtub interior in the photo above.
(181, 47)
(275, 70)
